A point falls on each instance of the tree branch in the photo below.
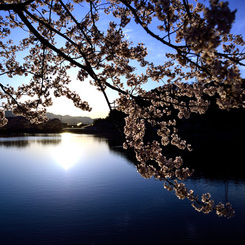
(10, 95)
(87, 68)
(46, 42)
(237, 61)
(15, 6)
(76, 22)
(177, 48)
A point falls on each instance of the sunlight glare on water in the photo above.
(68, 153)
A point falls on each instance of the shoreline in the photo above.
(90, 129)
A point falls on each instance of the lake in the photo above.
(79, 189)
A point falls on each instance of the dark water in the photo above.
(75, 189)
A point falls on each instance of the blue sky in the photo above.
(136, 34)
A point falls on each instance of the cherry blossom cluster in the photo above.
(204, 204)
(3, 120)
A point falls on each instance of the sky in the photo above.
(136, 34)
(89, 93)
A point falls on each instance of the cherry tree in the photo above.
(203, 61)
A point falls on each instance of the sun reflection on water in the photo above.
(68, 153)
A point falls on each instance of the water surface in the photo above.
(76, 189)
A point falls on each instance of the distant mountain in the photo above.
(65, 119)
(70, 120)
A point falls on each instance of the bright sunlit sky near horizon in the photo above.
(136, 34)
